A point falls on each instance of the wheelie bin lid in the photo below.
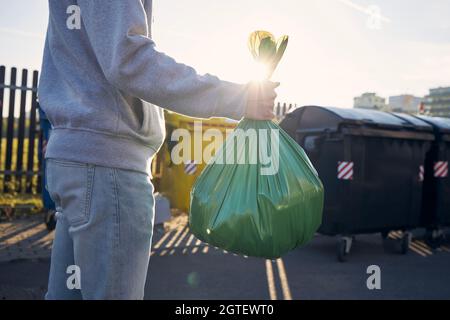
(419, 124)
(356, 122)
(441, 124)
(333, 116)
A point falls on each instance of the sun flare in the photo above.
(259, 71)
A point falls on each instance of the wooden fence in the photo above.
(20, 137)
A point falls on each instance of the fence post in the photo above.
(10, 130)
(2, 91)
(32, 134)
(21, 130)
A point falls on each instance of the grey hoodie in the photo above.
(101, 84)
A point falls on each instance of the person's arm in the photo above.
(117, 31)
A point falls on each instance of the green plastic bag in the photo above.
(259, 195)
(237, 208)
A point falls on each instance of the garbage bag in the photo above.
(261, 207)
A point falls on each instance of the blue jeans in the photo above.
(104, 228)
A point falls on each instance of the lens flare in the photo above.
(260, 71)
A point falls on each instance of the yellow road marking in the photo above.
(284, 282)
(205, 249)
(446, 249)
(270, 280)
(163, 253)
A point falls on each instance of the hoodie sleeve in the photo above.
(118, 33)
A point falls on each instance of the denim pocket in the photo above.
(70, 186)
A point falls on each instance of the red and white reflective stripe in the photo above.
(421, 173)
(441, 169)
(190, 168)
(345, 170)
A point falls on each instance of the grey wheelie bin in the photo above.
(370, 164)
(436, 200)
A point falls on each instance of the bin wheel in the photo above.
(405, 242)
(434, 239)
(343, 248)
(50, 220)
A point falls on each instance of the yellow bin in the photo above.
(190, 142)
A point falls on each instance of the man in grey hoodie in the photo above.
(101, 84)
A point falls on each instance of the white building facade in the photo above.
(406, 103)
(370, 100)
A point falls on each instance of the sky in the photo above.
(338, 49)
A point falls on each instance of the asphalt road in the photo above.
(183, 268)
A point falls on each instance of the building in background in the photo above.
(406, 103)
(437, 103)
(370, 100)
